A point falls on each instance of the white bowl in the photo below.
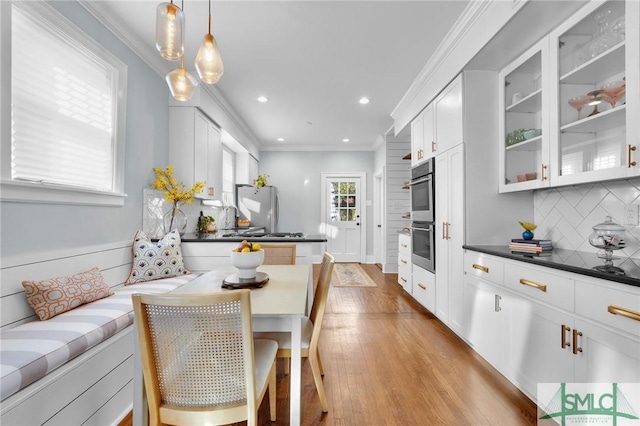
(247, 262)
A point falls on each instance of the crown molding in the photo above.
(470, 15)
(321, 148)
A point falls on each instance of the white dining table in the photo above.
(278, 306)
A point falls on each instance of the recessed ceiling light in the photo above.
(280, 139)
(364, 100)
(345, 140)
(263, 99)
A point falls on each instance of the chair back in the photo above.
(197, 354)
(320, 298)
(279, 254)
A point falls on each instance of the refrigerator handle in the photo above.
(277, 209)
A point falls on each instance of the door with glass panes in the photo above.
(342, 202)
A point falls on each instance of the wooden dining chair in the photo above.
(310, 330)
(279, 254)
(200, 362)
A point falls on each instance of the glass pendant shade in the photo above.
(169, 31)
(181, 83)
(208, 61)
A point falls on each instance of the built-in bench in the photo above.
(77, 367)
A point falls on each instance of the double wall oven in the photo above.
(423, 215)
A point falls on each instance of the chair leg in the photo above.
(320, 363)
(272, 392)
(287, 364)
(317, 378)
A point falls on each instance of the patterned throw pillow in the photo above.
(153, 261)
(54, 296)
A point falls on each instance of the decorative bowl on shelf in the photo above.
(531, 133)
(247, 262)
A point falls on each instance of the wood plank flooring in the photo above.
(388, 361)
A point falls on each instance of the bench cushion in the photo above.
(31, 350)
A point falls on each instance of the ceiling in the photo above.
(313, 59)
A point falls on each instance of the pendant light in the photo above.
(208, 61)
(181, 83)
(169, 31)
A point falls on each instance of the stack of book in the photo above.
(530, 246)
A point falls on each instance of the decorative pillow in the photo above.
(153, 261)
(57, 295)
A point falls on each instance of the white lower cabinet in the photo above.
(424, 287)
(404, 262)
(541, 325)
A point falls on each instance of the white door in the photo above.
(379, 243)
(342, 202)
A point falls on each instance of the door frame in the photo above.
(324, 176)
(379, 240)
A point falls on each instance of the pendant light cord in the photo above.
(209, 16)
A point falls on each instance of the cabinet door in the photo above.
(595, 56)
(429, 132)
(201, 152)
(424, 287)
(448, 117)
(604, 356)
(539, 345)
(442, 219)
(214, 164)
(417, 140)
(486, 320)
(523, 121)
(456, 239)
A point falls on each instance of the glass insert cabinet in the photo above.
(571, 103)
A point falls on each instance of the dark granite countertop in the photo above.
(578, 262)
(217, 237)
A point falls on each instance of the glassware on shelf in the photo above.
(596, 98)
(618, 28)
(579, 102)
(614, 91)
(604, 38)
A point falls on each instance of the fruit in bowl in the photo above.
(246, 258)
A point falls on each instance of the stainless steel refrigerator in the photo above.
(260, 206)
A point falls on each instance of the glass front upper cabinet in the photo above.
(595, 57)
(523, 121)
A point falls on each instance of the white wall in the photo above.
(297, 176)
(45, 227)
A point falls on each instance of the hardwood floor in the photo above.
(388, 361)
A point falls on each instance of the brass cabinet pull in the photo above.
(618, 310)
(543, 174)
(422, 286)
(403, 279)
(480, 267)
(403, 261)
(496, 303)
(629, 162)
(433, 146)
(541, 287)
(448, 235)
(576, 348)
(564, 343)
(444, 230)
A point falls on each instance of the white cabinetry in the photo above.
(424, 287)
(537, 326)
(404, 262)
(561, 88)
(449, 237)
(195, 150)
(439, 126)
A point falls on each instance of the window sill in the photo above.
(28, 192)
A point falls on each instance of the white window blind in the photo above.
(64, 102)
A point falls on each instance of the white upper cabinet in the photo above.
(568, 103)
(596, 95)
(195, 150)
(524, 121)
(439, 126)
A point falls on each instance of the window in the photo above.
(67, 113)
(228, 175)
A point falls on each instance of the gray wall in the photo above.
(297, 176)
(45, 227)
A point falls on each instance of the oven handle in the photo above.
(421, 180)
(428, 228)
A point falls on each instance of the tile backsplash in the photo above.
(566, 215)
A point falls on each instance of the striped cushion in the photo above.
(29, 351)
